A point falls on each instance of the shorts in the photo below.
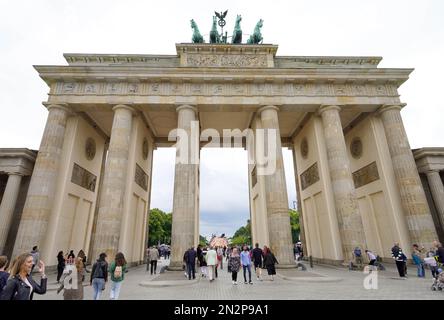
(257, 264)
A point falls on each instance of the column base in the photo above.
(286, 266)
(175, 266)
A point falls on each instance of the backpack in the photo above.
(118, 272)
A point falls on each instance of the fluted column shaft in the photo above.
(110, 214)
(347, 209)
(278, 215)
(437, 189)
(40, 197)
(185, 201)
(7, 206)
(416, 210)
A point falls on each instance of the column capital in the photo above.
(62, 106)
(268, 107)
(432, 171)
(326, 107)
(124, 106)
(186, 106)
(387, 107)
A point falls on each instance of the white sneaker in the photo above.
(235, 282)
(232, 282)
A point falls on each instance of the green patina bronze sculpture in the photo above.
(214, 35)
(256, 37)
(197, 37)
(237, 33)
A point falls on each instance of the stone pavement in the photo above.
(321, 282)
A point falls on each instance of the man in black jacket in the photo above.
(191, 262)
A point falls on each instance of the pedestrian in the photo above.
(439, 251)
(371, 257)
(432, 263)
(147, 255)
(246, 264)
(117, 269)
(191, 262)
(3, 274)
(60, 265)
(399, 258)
(20, 285)
(82, 255)
(234, 263)
(258, 256)
(154, 256)
(211, 262)
(72, 283)
(269, 262)
(99, 276)
(357, 254)
(203, 263)
(220, 257)
(35, 257)
(418, 261)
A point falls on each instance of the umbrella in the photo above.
(219, 242)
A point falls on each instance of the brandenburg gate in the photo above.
(356, 177)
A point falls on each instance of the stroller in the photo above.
(438, 282)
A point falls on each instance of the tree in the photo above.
(242, 235)
(295, 227)
(159, 227)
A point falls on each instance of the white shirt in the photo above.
(371, 256)
(29, 285)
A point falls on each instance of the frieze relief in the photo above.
(229, 60)
(157, 88)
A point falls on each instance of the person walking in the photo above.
(418, 261)
(35, 257)
(398, 256)
(3, 274)
(20, 285)
(220, 257)
(258, 256)
(439, 251)
(99, 275)
(234, 263)
(203, 262)
(191, 262)
(432, 263)
(73, 290)
(246, 264)
(60, 265)
(269, 262)
(211, 262)
(117, 270)
(154, 256)
(371, 257)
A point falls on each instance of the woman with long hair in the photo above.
(269, 262)
(234, 264)
(60, 265)
(20, 285)
(117, 270)
(74, 288)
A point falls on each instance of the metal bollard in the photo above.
(311, 262)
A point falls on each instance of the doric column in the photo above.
(278, 214)
(107, 233)
(39, 200)
(347, 209)
(416, 210)
(437, 189)
(185, 201)
(7, 206)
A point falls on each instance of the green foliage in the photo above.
(203, 241)
(159, 227)
(242, 235)
(295, 226)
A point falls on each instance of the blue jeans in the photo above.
(98, 284)
(248, 267)
(115, 290)
(421, 272)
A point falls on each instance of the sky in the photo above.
(407, 34)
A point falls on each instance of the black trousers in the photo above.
(153, 266)
(401, 268)
(59, 272)
(191, 267)
(234, 275)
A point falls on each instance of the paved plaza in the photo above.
(321, 282)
